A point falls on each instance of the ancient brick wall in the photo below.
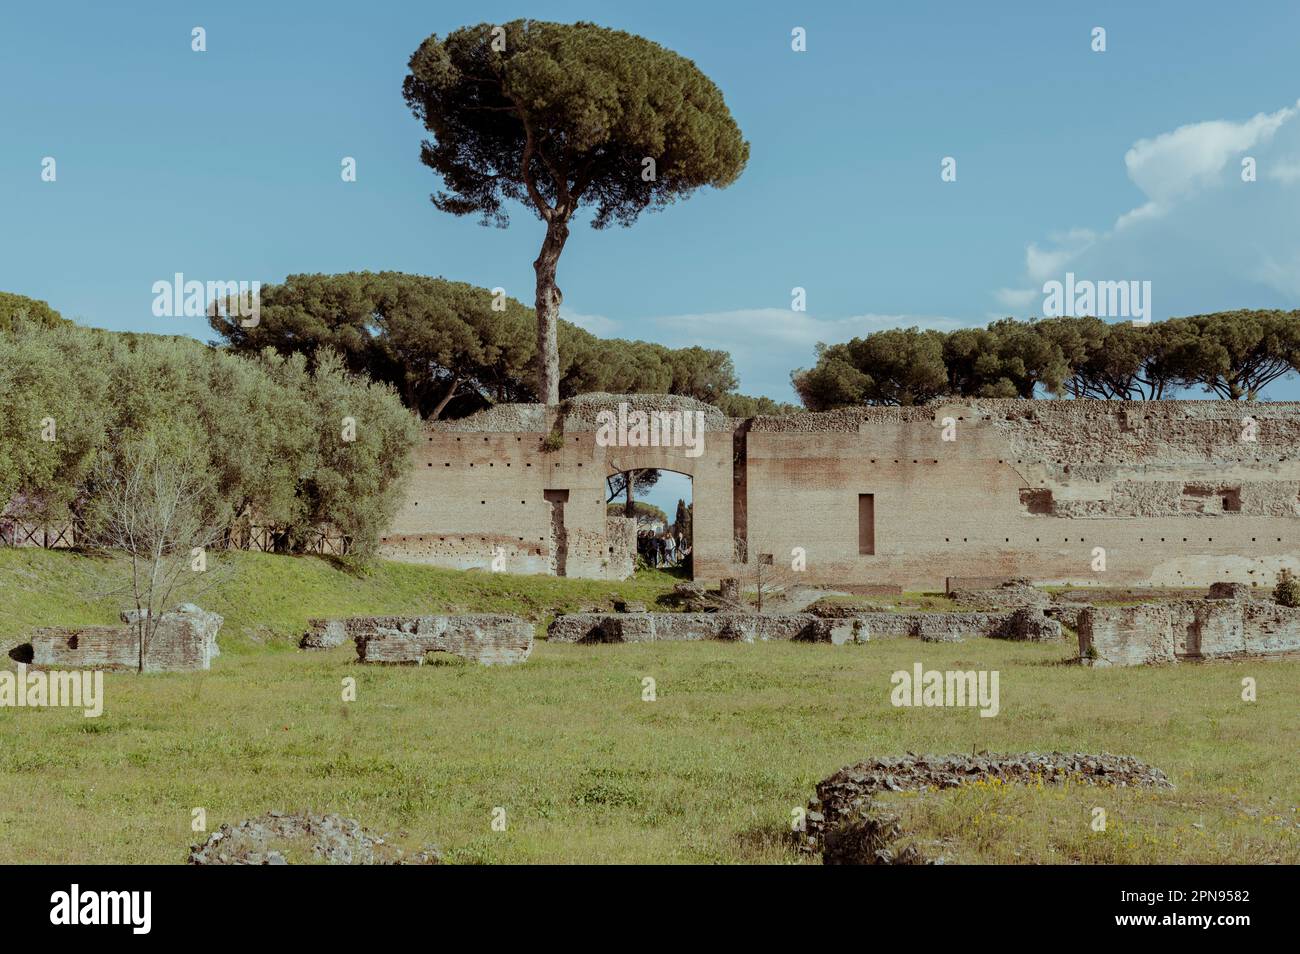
(491, 485)
(1169, 490)
(1173, 492)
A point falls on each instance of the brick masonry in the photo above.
(184, 640)
(1186, 629)
(1028, 489)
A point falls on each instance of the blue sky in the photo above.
(1116, 165)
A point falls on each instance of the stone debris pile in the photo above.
(277, 838)
(848, 828)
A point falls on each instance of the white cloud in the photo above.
(1282, 276)
(1284, 172)
(1192, 157)
(1143, 213)
(1206, 238)
(1042, 264)
(1017, 299)
(597, 324)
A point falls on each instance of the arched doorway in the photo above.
(662, 503)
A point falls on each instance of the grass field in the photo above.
(586, 770)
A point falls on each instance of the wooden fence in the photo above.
(17, 533)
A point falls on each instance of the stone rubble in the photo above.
(308, 838)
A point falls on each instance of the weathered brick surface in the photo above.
(324, 634)
(487, 638)
(1270, 628)
(802, 627)
(1022, 487)
(1125, 635)
(1230, 591)
(184, 640)
(1187, 629)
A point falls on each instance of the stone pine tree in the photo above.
(561, 117)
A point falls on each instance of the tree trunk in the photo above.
(629, 509)
(548, 312)
(446, 398)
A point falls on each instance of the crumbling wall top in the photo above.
(580, 414)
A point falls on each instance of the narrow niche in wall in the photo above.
(866, 524)
(559, 542)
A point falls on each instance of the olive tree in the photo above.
(561, 116)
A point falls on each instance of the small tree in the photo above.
(1287, 590)
(764, 573)
(158, 508)
(558, 116)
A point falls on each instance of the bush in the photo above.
(265, 434)
(1287, 590)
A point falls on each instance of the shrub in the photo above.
(264, 433)
(1287, 590)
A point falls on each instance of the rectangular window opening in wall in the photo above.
(1210, 498)
(866, 524)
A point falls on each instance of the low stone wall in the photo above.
(1023, 624)
(1186, 629)
(676, 627)
(184, 640)
(487, 638)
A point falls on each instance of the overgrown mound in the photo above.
(1012, 594)
(848, 828)
(277, 838)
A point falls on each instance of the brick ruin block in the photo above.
(1269, 628)
(184, 640)
(1125, 635)
(1187, 629)
(486, 638)
(1230, 591)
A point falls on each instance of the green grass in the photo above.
(266, 599)
(909, 602)
(586, 770)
